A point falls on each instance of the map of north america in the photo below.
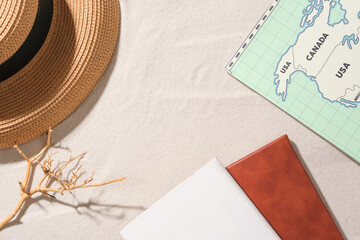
(327, 51)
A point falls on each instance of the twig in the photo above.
(49, 176)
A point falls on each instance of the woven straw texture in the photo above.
(16, 20)
(76, 52)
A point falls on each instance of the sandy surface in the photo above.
(163, 109)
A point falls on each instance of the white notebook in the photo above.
(208, 205)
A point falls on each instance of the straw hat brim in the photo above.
(80, 43)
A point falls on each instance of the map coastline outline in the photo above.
(307, 11)
(326, 135)
(291, 46)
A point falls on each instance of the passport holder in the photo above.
(277, 183)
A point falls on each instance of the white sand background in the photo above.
(163, 109)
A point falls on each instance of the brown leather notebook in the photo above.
(275, 180)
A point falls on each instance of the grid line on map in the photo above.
(321, 118)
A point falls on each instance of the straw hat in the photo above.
(52, 53)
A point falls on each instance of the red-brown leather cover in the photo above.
(275, 180)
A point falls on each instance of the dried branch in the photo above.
(50, 175)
